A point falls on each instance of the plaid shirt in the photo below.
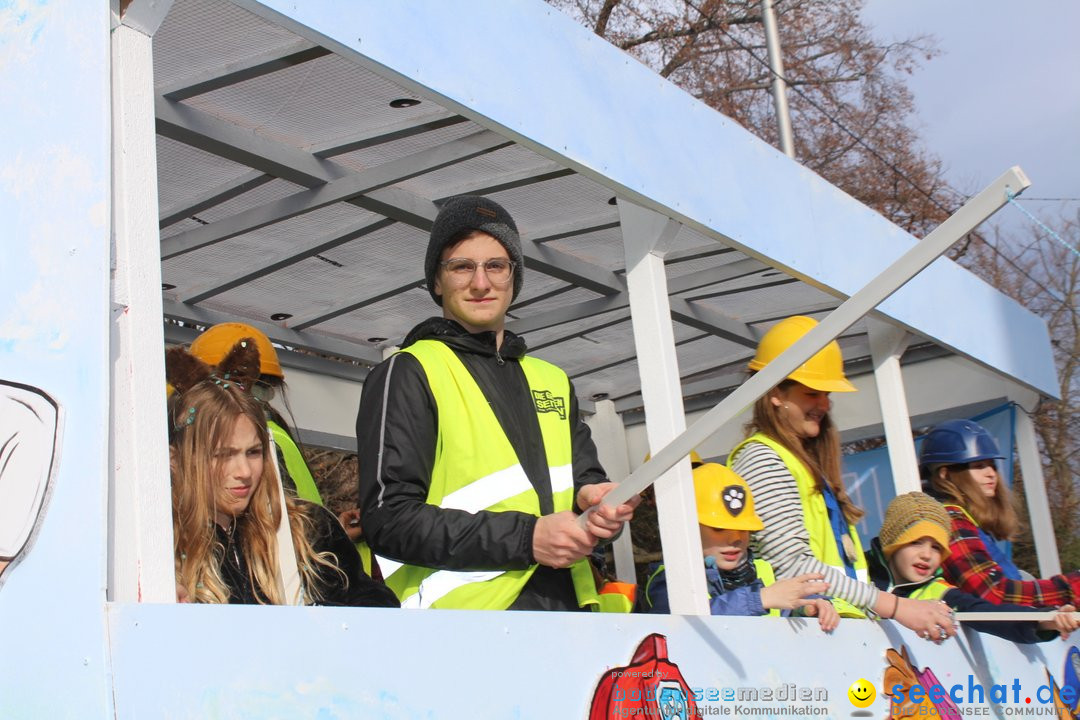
(969, 567)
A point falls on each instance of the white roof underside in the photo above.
(289, 184)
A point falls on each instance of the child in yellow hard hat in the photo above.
(737, 583)
(905, 559)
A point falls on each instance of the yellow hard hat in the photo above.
(823, 372)
(723, 499)
(213, 345)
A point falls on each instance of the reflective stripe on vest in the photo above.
(816, 520)
(477, 469)
(294, 463)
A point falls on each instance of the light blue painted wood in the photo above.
(526, 68)
(347, 663)
(54, 318)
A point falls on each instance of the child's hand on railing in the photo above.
(1065, 621)
(790, 593)
(824, 611)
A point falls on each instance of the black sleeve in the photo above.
(355, 589)
(587, 468)
(1019, 632)
(396, 433)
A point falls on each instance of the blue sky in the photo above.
(1004, 91)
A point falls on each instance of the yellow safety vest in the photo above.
(477, 469)
(764, 572)
(767, 577)
(816, 519)
(294, 463)
(932, 590)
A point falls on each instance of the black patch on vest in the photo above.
(546, 402)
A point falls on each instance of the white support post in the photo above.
(887, 345)
(645, 232)
(1038, 505)
(140, 503)
(609, 434)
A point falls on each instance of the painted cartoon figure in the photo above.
(650, 686)
(29, 430)
(902, 672)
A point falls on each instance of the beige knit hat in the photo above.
(912, 516)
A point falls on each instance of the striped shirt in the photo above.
(784, 541)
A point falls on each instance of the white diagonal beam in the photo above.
(850, 311)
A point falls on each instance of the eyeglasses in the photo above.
(461, 270)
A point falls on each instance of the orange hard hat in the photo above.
(213, 345)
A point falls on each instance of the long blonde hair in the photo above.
(820, 455)
(997, 515)
(202, 416)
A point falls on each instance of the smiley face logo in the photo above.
(861, 693)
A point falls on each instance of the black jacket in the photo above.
(325, 535)
(396, 431)
(960, 601)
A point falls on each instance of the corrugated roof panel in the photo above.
(202, 35)
(313, 103)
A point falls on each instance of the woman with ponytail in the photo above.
(791, 460)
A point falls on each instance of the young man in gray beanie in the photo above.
(474, 462)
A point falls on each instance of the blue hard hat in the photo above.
(955, 442)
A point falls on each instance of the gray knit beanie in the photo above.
(461, 214)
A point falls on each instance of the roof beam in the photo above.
(616, 319)
(696, 253)
(773, 315)
(711, 321)
(580, 226)
(629, 358)
(597, 306)
(202, 130)
(730, 291)
(387, 133)
(332, 192)
(570, 269)
(283, 336)
(489, 184)
(303, 323)
(570, 313)
(302, 250)
(214, 196)
(265, 63)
